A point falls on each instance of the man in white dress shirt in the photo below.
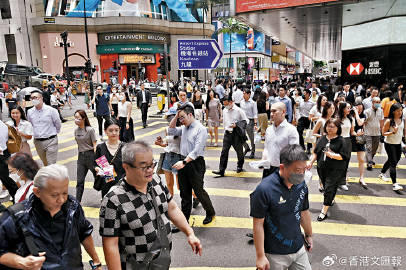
(46, 124)
(233, 118)
(237, 95)
(277, 136)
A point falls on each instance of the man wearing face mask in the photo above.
(372, 130)
(232, 115)
(46, 125)
(279, 207)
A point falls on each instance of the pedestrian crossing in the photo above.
(230, 196)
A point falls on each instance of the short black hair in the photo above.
(187, 108)
(292, 153)
(36, 91)
(227, 98)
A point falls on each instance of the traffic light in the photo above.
(88, 66)
(169, 63)
(114, 64)
(162, 63)
(257, 64)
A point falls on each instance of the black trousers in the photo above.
(302, 124)
(231, 139)
(115, 109)
(8, 183)
(191, 178)
(100, 122)
(126, 135)
(394, 152)
(144, 112)
(84, 163)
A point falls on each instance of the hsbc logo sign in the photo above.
(355, 69)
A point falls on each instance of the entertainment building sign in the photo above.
(253, 5)
(132, 37)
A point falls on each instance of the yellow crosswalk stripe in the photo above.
(317, 198)
(358, 230)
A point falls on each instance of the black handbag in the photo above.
(159, 258)
(100, 181)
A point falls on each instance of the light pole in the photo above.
(90, 72)
(65, 45)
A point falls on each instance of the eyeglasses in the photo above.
(145, 168)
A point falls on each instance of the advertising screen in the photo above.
(253, 41)
(173, 10)
(252, 5)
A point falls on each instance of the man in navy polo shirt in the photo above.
(279, 206)
(103, 108)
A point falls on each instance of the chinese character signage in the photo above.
(252, 5)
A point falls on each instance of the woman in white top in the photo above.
(23, 127)
(22, 170)
(114, 100)
(347, 129)
(317, 110)
(124, 108)
(393, 130)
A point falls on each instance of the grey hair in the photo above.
(292, 153)
(130, 149)
(53, 171)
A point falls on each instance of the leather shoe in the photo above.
(195, 202)
(252, 156)
(250, 235)
(239, 170)
(208, 219)
(219, 173)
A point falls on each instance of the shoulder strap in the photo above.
(26, 191)
(115, 154)
(28, 238)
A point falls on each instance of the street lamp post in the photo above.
(65, 45)
(90, 72)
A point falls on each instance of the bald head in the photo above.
(278, 113)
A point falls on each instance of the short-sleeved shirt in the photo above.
(281, 207)
(129, 215)
(24, 127)
(85, 138)
(373, 119)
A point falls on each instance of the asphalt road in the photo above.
(366, 229)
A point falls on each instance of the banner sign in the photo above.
(252, 5)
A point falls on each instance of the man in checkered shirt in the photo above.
(127, 215)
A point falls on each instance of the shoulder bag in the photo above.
(155, 260)
(14, 141)
(99, 180)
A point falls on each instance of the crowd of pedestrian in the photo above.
(299, 122)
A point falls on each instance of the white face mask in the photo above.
(77, 121)
(35, 102)
(121, 98)
(16, 177)
(230, 106)
(114, 91)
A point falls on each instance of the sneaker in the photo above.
(383, 177)
(397, 187)
(344, 187)
(4, 194)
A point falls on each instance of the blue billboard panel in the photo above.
(253, 41)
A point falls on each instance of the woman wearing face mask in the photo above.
(198, 104)
(114, 96)
(358, 114)
(22, 170)
(331, 153)
(111, 150)
(23, 127)
(85, 137)
(124, 118)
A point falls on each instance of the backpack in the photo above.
(14, 141)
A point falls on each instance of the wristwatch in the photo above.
(94, 266)
(184, 162)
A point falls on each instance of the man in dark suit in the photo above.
(144, 100)
(349, 94)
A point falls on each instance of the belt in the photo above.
(45, 139)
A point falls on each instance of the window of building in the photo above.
(11, 48)
(5, 9)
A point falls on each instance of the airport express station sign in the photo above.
(198, 54)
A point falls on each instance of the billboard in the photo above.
(172, 10)
(252, 5)
(253, 41)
